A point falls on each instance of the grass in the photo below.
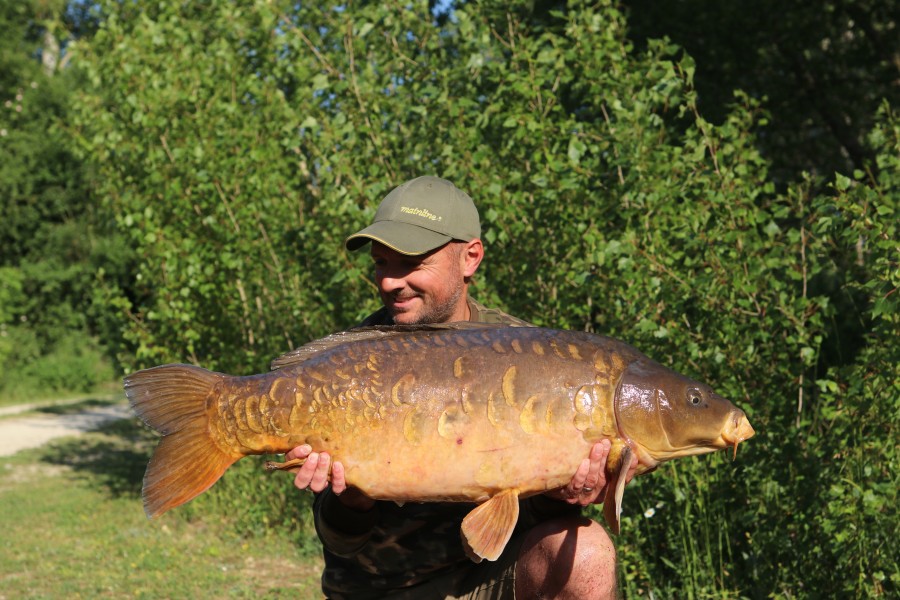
(73, 526)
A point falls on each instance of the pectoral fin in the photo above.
(487, 529)
(291, 466)
(617, 471)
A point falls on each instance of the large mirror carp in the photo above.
(460, 413)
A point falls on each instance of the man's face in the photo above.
(426, 288)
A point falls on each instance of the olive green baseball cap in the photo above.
(420, 215)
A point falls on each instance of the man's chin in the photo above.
(405, 318)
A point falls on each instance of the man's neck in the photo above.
(462, 312)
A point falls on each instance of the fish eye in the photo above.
(695, 398)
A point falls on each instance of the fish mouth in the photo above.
(737, 430)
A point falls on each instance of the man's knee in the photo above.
(570, 557)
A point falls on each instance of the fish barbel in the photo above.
(458, 412)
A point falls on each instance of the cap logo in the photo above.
(420, 212)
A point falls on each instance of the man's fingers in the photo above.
(319, 479)
(298, 452)
(596, 476)
(572, 491)
(338, 484)
(594, 484)
(580, 476)
(306, 472)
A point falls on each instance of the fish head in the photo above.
(669, 415)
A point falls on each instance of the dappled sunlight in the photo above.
(115, 455)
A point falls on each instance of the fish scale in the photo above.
(459, 412)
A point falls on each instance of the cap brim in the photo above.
(402, 237)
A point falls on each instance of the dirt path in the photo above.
(33, 431)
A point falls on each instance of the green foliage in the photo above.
(234, 166)
(30, 372)
(860, 399)
(820, 72)
(198, 168)
(49, 251)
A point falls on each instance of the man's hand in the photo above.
(313, 475)
(588, 486)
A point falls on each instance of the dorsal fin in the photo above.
(307, 351)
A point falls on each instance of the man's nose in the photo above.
(390, 282)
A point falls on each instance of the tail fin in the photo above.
(172, 400)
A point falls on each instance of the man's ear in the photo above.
(472, 254)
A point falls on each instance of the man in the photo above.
(426, 247)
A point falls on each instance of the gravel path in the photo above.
(33, 431)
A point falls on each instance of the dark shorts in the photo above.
(487, 580)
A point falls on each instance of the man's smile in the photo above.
(402, 301)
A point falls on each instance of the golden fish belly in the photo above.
(474, 467)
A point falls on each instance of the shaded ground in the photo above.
(73, 527)
(41, 423)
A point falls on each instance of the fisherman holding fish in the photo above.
(426, 247)
(457, 431)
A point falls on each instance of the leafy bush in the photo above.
(30, 371)
(49, 248)
(235, 167)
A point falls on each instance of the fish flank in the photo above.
(252, 413)
(414, 426)
(493, 419)
(548, 414)
(465, 402)
(528, 419)
(584, 402)
(238, 410)
(263, 406)
(400, 389)
(458, 367)
(508, 386)
(554, 345)
(452, 422)
(364, 398)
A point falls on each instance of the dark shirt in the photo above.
(392, 547)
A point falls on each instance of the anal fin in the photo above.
(488, 527)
